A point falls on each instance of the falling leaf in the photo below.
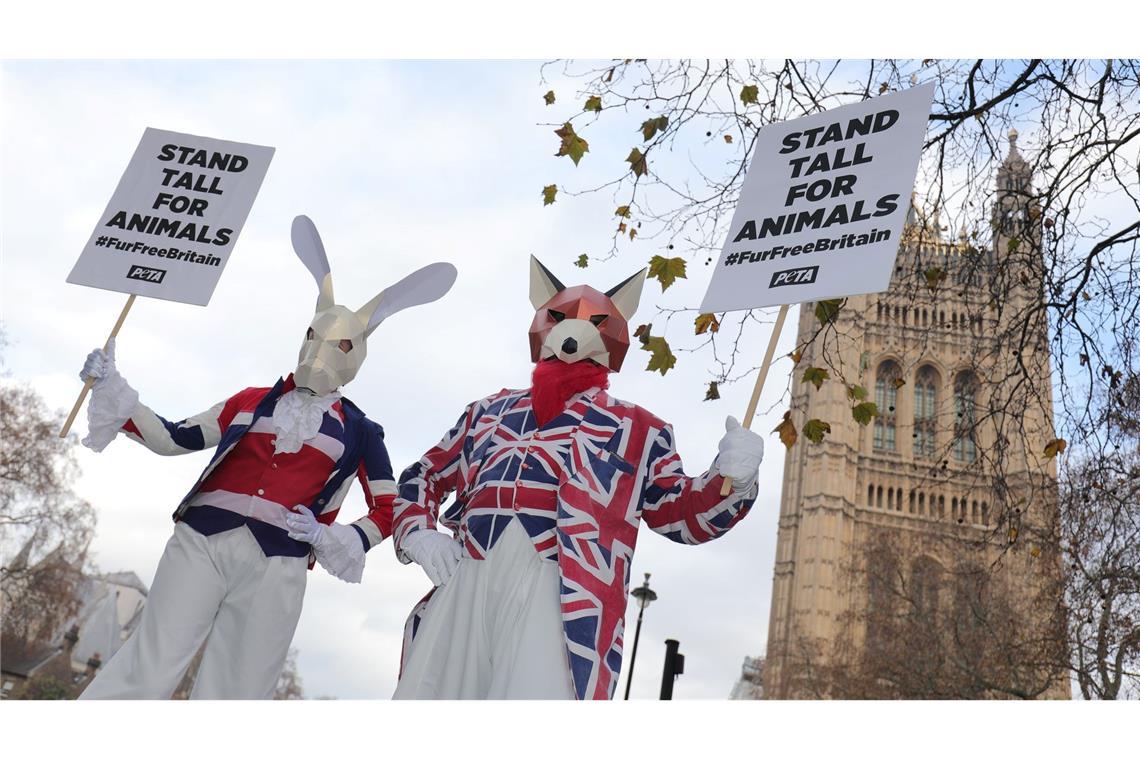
(549, 97)
(815, 376)
(572, 145)
(856, 392)
(650, 127)
(593, 103)
(636, 161)
(865, 412)
(707, 323)
(1055, 447)
(750, 93)
(787, 431)
(642, 333)
(667, 270)
(934, 277)
(713, 393)
(898, 382)
(548, 194)
(661, 359)
(622, 211)
(815, 429)
(826, 311)
(728, 139)
(582, 261)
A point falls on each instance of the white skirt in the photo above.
(493, 631)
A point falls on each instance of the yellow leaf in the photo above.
(661, 358)
(707, 323)
(622, 211)
(632, 234)
(549, 97)
(548, 194)
(1035, 551)
(934, 277)
(621, 228)
(637, 163)
(667, 270)
(749, 94)
(797, 355)
(1055, 447)
(572, 145)
(1012, 534)
(593, 103)
(898, 382)
(787, 431)
(651, 127)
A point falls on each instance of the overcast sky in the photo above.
(399, 165)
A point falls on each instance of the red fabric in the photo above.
(555, 381)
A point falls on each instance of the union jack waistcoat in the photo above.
(618, 466)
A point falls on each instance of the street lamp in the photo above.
(644, 595)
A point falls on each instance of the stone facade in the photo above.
(951, 472)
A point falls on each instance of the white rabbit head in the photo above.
(336, 342)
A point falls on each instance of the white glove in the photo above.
(435, 552)
(741, 452)
(100, 365)
(338, 548)
(113, 400)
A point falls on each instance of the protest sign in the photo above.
(820, 211)
(174, 218)
(823, 204)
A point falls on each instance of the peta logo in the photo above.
(800, 276)
(146, 274)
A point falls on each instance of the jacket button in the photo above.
(320, 501)
(261, 492)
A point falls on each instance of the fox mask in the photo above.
(577, 323)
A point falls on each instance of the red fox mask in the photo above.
(573, 324)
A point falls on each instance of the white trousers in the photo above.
(493, 631)
(220, 589)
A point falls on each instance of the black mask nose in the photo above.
(569, 346)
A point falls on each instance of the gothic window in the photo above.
(886, 397)
(965, 403)
(925, 404)
(926, 584)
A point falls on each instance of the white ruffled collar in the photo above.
(297, 418)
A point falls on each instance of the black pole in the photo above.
(674, 666)
(633, 657)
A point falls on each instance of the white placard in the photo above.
(172, 222)
(823, 204)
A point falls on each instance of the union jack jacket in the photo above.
(618, 466)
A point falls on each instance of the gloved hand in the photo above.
(303, 526)
(100, 365)
(338, 548)
(436, 553)
(741, 452)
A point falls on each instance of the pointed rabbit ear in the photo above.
(627, 294)
(311, 252)
(543, 284)
(421, 286)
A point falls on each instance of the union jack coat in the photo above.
(618, 466)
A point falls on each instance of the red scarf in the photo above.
(555, 381)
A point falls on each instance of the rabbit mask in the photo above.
(336, 341)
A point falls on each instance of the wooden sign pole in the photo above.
(755, 400)
(90, 381)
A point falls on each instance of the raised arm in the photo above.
(691, 510)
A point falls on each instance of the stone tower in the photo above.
(922, 540)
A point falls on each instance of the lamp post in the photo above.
(644, 595)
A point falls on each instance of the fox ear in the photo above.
(543, 284)
(309, 249)
(627, 294)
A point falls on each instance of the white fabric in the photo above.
(297, 418)
(221, 590)
(435, 552)
(493, 632)
(741, 452)
(113, 401)
(338, 548)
